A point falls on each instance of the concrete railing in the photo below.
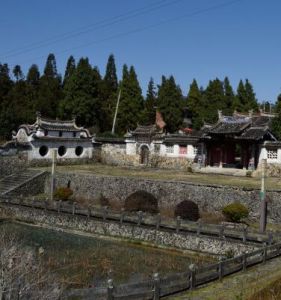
(141, 219)
(158, 287)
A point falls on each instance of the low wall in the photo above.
(183, 241)
(12, 164)
(33, 187)
(115, 154)
(169, 193)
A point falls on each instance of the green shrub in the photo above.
(141, 201)
(187, 210)
(235, 211)
(63, 193)
(249, 173)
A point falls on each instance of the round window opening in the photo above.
(61, 150)
(78, 150)
(43, 150)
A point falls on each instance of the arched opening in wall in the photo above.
(43, 150)
(79, 150)
(144, 155)
(61, 150)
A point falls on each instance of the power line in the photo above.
(140, 29)
(89, 28)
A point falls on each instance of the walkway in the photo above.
(239, 286)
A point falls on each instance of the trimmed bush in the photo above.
(141, 200)
(103, 201)
(235, 211)
(63, 193)
(187, 210)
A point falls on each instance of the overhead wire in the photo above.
(89, 28)
(140, 29)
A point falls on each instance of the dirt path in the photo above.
(239, 286)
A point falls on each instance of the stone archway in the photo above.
(144, 155)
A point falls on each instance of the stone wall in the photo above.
(33, 187)
(210, 245)
(12, 164)
(115, 154)
(169, 193)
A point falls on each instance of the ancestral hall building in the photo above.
(45, 135)
(237, 141)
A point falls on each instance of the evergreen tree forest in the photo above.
(89, 96)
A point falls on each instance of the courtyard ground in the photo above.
(272, 183)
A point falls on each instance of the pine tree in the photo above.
(276, 122)
(195, 104)
(50, 89)
(229, 97)
(70, 68)
(170, 103)
(131, 101)
(251, 102)
(33, 75)
(150, 103)
(81, 95)
(213, 100)
(18, 73)
(6, 85)
(240, 99)
(32, 91)
(108, 94)
(110, 77)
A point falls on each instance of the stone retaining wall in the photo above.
(169, 193)
(181, 241)
(12, 164)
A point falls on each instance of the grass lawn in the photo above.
(176, 175)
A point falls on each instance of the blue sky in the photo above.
(186, 38)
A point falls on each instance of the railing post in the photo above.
(156, 284)
(178, 224)
(104, 213)
(221, 232)
(59, 205)
(139, 217)
(89, 212)
(192, 279)
(198, 227)
(46, 204)
(73, 208)
(244, 234)
(264, 253)
(32, 202)
(110, 289)
(122, 214)
(270, 238)
(158, 221)
(220, 269)
(244, 261)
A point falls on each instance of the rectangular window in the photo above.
(169, 149)
(183, 150)
(197, 150)
(156, 148)
(271, 154)
(74, 134)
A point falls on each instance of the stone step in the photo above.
(11, 182)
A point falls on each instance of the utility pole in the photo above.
(263, 208)
(54, 157)
(116, 111)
